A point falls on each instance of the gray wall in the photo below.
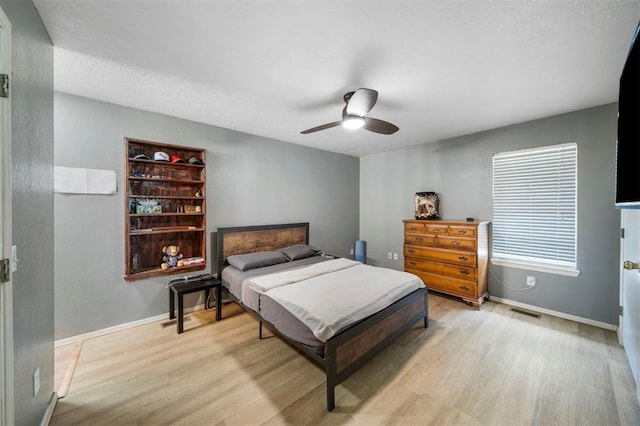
(460, 171)
(32, 210)
(250, 181)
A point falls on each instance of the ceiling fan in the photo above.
(358, 104)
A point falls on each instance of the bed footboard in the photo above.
(350, 349)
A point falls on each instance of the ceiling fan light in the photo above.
(353, 122)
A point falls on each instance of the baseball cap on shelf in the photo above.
(177, 159)
(161, 156)
(194, 160)
(136, 156)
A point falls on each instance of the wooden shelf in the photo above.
(167, 197)
(175, 187)
(163, 231)
(142, 160)
(155, 272)
(166, 214)
(169, 180)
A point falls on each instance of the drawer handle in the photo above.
(463, 272)
(412, 251)
(419, 239)
(412, 263)
(455, 243)
(414, 229)
(436, 230)
(464, 288)
(462, 232)
(463, 258)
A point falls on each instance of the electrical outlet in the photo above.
(36, 381)
(395, 256)
(531, 281)
(389, 255)
(351, 252)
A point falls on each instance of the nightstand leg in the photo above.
(172, 304)
(219, 302)
(180, 313)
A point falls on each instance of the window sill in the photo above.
(558, 270)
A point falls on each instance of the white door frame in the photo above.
(7, 414)
(628, 300)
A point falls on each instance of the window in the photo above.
(534, 209)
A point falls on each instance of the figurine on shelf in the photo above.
(172, 257)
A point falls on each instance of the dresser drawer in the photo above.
(456, 243)
(447, 284)
(420, 240)
(414, 228)
(434, 228)
(457, 271)
(462, 231)
(441, 255)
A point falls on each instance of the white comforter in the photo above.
(330, 295)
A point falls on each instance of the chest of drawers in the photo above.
(449, 256)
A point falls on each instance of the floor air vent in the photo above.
(521, 311)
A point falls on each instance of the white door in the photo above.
(630, 291)
(6, 313)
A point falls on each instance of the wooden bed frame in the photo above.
(348, 350)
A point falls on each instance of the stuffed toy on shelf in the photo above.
(172, 257)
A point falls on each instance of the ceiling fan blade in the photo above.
(379, 126)
(322, 127)
(361, 102)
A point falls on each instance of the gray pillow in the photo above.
(259, 259)
(299, 251)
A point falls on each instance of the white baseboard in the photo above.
(48, 414)
(575, 318)
(161, 317)
(120, 327)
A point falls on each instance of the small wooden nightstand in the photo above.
(177, 289)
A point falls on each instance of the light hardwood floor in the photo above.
(493, 367)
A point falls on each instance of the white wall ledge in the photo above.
(558, 270)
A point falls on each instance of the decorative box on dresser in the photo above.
(449, 256)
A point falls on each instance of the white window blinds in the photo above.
(534, 205)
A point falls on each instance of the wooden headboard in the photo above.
(249, 239)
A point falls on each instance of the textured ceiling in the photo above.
(442, 68)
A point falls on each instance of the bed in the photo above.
(340, 349)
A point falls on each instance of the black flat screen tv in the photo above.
(628, 144)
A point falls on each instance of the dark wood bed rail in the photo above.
(350, 349)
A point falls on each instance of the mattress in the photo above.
(270, 310)
(310, 302)
(331, 296)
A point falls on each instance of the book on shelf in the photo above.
(188, 261)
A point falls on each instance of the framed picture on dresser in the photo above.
(427, 206)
